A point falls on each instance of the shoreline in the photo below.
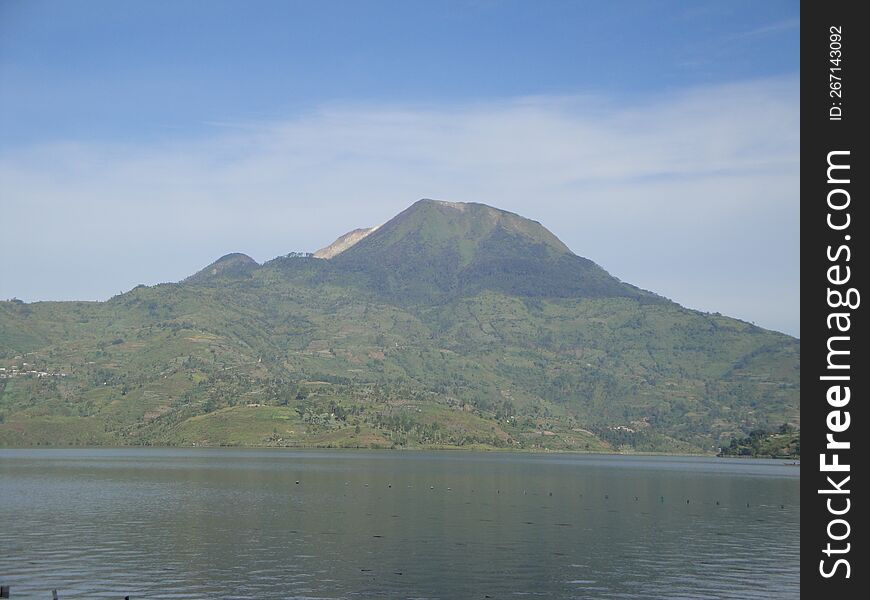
(789, 461)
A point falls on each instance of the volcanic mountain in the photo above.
(450, 325)
(437, 250)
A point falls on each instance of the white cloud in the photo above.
(771, 28)
(692, 194)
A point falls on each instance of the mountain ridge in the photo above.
(344, 242)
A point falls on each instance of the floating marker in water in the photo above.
(297, 483)
(551, 493)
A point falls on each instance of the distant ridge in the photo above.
(234, 264)
(344, 242)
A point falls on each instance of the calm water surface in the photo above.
(313, 524)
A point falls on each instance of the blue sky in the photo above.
(659, 139)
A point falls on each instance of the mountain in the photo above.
(230, 265)
(434, 251)
(343, 243)
(450, 325)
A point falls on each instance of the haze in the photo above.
(141, 141)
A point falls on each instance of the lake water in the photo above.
(264, 524)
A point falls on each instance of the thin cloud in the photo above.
(770, 29)
(681, 193)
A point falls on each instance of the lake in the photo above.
(222, 523)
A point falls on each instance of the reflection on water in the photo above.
(313, 524)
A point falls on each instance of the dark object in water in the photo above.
(4, 591)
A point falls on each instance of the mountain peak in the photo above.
(467, 224)
(460, 206)
(435, 249)
(234, 264)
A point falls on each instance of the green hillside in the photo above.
(452, 325)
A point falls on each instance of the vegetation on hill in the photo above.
(449, 326)
(785, 442)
